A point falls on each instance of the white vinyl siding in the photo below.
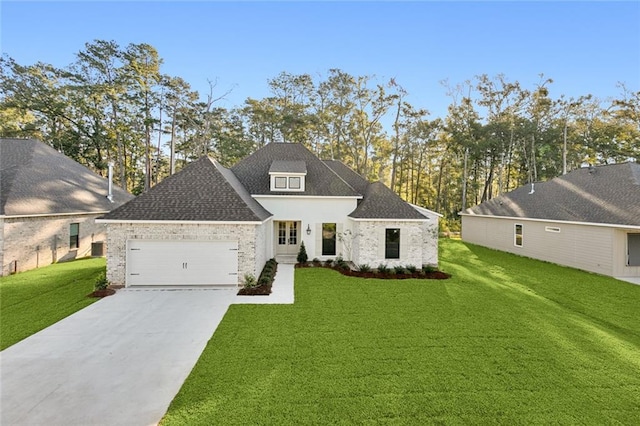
(580, 246)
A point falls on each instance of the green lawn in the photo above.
(33, 300)
(507, 340)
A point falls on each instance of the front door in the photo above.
(287, 238)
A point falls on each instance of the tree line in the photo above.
(113, 104)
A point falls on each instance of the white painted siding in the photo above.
(311, 212)
(584, 247)
(620, 254)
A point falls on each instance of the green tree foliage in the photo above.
(114, 104)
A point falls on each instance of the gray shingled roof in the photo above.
(36, 179)
(381, 202)
(253, 172)
(280, 166)
(347, 174)
(606, 194)
(202, 191)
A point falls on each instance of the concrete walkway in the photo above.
(119, 361)
(632, 280)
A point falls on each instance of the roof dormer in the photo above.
(287, 176)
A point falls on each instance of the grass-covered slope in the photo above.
(506, 340)
(33, 300)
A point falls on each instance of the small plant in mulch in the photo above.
(262, 285)
(364, 268)
(316, 261)
(101, 287)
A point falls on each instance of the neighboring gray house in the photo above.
(48, 206)
(208, 225)
(588, 219)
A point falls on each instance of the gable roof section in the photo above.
(35, 179)
(202, 191)
(253, 172)
(381, 202)
(605, 195)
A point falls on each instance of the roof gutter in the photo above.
(568, 222)
(182, 222)
(22, 216)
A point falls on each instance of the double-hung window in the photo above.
(74, 235)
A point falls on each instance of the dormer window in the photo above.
(287, 176)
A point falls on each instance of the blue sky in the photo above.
(585, 47)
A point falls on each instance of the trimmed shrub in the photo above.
(412, 268)
(328, 262)
(364, 267)
(428, 268)
(316, 261)
(302, 254)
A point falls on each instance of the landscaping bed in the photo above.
(382, 272)
(261, 286)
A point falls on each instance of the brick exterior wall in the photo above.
(31, 242)
(418, 243)
(251, 243)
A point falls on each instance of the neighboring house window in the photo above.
(294, 183)
(518, 235)
(392, 243)
(633, 249)
(552, 229)
(74, 232)
(281, 182)
(328, 239)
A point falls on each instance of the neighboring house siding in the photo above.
(251, 243)
(312, 212)
(620, 254)
(31, 242)
(369, 244)
(580, 246)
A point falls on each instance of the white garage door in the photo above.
(182, 262)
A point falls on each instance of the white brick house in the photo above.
(208, 225)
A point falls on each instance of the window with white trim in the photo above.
(552, 229)
(518, 235)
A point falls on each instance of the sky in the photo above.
(585, 47)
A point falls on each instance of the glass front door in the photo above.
(287, 237)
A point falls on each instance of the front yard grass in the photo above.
(506, 340)
(33, 300)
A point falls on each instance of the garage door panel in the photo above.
(182, 262)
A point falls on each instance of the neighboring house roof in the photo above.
(35, 179)
(320, 180)
(604, 194)
(202, 191)
(381, 202)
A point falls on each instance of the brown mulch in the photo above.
(102, 293)
(263, 290)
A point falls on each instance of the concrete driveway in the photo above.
(119, 361)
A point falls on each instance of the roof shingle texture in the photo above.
(381, 202)
(279, 166)
(253, 172)
(202, 191)
(605, 194)
(35, 179)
